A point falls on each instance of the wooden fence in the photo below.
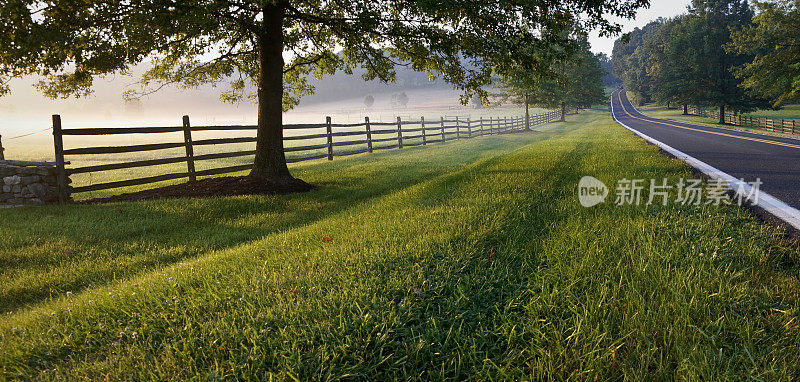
(768, 124)
(376, 136)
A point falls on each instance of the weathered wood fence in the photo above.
(768, 124)
(376, 136)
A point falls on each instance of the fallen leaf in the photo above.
(326, 239)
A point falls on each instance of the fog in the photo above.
(340, 96)
(25, 109)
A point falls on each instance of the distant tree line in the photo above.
(722, 53)
(607, 65)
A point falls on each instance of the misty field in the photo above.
(40, 146)
(470, 259)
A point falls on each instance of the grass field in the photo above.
(466, 259)
(787, 112)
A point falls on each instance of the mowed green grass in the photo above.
(471, 259)
(787, 112)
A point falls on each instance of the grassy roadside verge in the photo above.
(660, 111)
(489, 270)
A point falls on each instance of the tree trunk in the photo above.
(721, 114)
(685, 109)
(527, 117)
(269, 164)
(563, 111)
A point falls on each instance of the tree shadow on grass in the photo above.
(70, 248)
(470, 279)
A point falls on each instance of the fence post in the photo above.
(469, 128)
(491, 125)
(442, 119)
(527, 115)
(2, 157)
(458, 129)
(369, 134)
(422, 124)
(399, 133)
(330, 137)
(792, 129)
(481, 122)
(61, 172)
(782, 125)
(187, 140)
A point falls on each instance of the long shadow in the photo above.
(102, 243)
(467, 293)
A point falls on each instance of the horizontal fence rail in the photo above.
(782, 126)
(320, 141)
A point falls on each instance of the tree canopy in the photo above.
(774, 43)
(277, 44)
(684, 59)
(577, 81)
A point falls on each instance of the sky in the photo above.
(658, 8)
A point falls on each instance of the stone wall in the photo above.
(25, 183)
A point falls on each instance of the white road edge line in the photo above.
(769, 203)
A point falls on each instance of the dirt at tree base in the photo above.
(211, 187)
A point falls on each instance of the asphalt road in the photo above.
(775, 160)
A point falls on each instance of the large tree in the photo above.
(705, 31)
(667, 64)
(277, 44)
(774, 43)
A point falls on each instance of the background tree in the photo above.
(774, 43)
(399, 100)
(369, 100)
(708, 29)
(192, 43)
(609, 79)
(583, 85)
(684, 59)
(578, 82)
(477, 102)
(630, 62)
(667, 64)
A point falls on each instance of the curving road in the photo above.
(776, 160)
